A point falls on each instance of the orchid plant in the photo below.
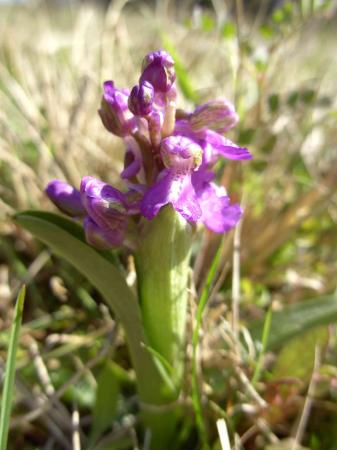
(170, 190)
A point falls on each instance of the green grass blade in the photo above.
(196, 398)
(7, 394)
(264, 342)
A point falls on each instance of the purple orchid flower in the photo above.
(213, 144)
(169, 156)
(180, 156)
(186, 184)
(105, 205)
(108, 212)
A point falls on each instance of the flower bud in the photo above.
(180, 153)
(114, 111)
(158, 70)
(141, 99)
(65, 197)
(102, 239)
(218, 115)
(104, 204)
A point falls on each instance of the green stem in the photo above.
(162, 264)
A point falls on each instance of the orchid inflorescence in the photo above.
(169, 156)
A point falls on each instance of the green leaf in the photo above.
(294, 320)
(106, 401)
(66, 239)
(264, 342)
(296, 359)
(196, 394)
(163, 365)
(7, 393)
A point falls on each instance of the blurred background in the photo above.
(276, 60)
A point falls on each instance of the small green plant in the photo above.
(9, 376)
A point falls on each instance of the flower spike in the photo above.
(169, 159)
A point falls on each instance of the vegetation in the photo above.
(265, 360)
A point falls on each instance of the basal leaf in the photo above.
(65, 238)
(294, 320)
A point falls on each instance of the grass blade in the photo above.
(196, 397)
(7, 393)
(264, 342)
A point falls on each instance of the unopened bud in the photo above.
(158, 69)
(114, 111)
(65, 197)
(141, 99)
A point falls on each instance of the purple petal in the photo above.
(132, 165)
(183, 128)
(217, 115)
(174, 189)
(187, 203)
(217, 213)
(225, 147)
